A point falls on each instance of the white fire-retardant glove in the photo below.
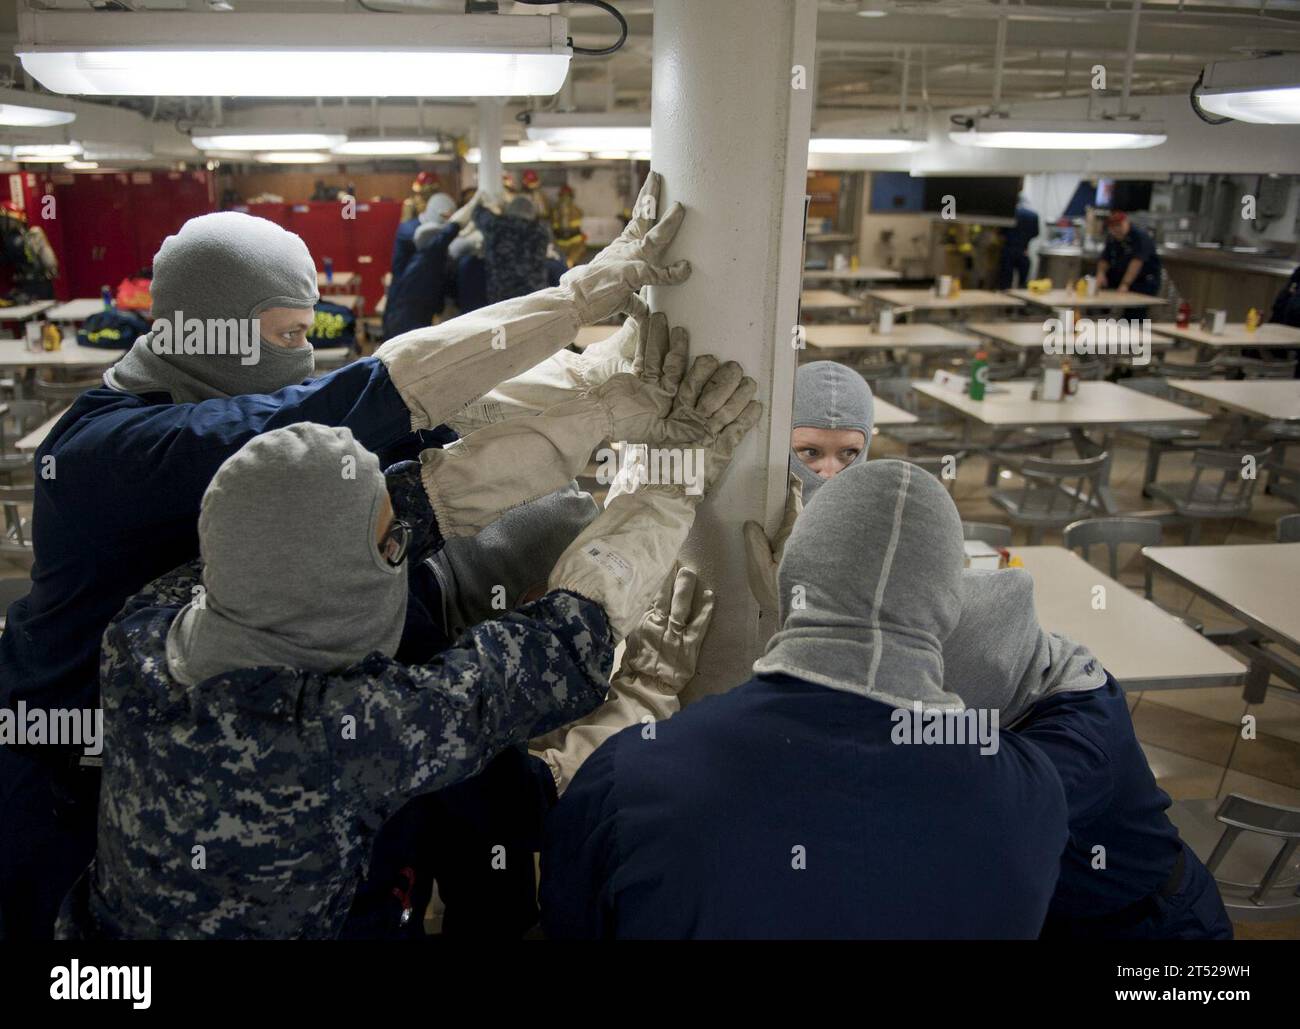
(471, 483)
(440, 369)
(561, 376)
(620, 559)
(763, 556)
(660, 659)
(636, 259)
(465, 212)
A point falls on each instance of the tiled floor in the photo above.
(1193, 738)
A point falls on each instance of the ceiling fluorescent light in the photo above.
(110, 151)
(591, 132)
(46, 151)
(1021, 134)
(294, 157)
(253, 139)
(202, 53)
(894, 144)
(21, 109)
(386, 148)
(1264, 91)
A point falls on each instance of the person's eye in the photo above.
(851, 455)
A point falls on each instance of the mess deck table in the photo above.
(1138, 642)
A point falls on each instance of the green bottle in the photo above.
(979, 375)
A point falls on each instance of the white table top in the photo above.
(850, 274)
(827, 299)
(1096, 403)
(904, 336)
(1255, 582)
(1139, 643)
(925, 300)
(342, 280)
(1069, 298)
(75, 310)
(887, 414)
(1029, 335)
(1273, 399)
(1234, 335)
(37, 436)
(14, 354)
(21, 312)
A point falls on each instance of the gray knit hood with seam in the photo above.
(222, 267)
(432, 219)
(999, 657)
(827, 395)
(870, 587)
(292, 572)
(483, 575)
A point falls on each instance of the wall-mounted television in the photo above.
(980, 196)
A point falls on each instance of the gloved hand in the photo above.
(665, 648)
(658, 404)
(464, 213)
(763, 556)
(660, 659)
(600, 288)
(620, 559)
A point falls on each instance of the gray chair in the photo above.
(1262, 368)
(987, 532)
(1053, 493)
(16, 532)
(1249, 846)
(1217, 488)
(60, 394)
(12, 589)
(1113, 533)
(1288, 529)
(926, 434)
(1161, 438)
(18, 418)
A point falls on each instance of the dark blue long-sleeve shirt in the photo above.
(784, 809)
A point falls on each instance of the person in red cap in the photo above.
(424, 186)
(1129, 262)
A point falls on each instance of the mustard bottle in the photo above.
(1252, 320)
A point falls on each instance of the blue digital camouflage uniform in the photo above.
(257, 767)
(514, 254)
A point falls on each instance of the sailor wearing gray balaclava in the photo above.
(1151, 885)
(274, 598)
(834, 409)
(834, 413)
(434, 216)
(842, 791)
(223, 271)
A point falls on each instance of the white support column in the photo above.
(732, 102)
(489, 146)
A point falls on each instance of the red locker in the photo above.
(375, 226)
(326, 232)
(100, 247)
(161, 202)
